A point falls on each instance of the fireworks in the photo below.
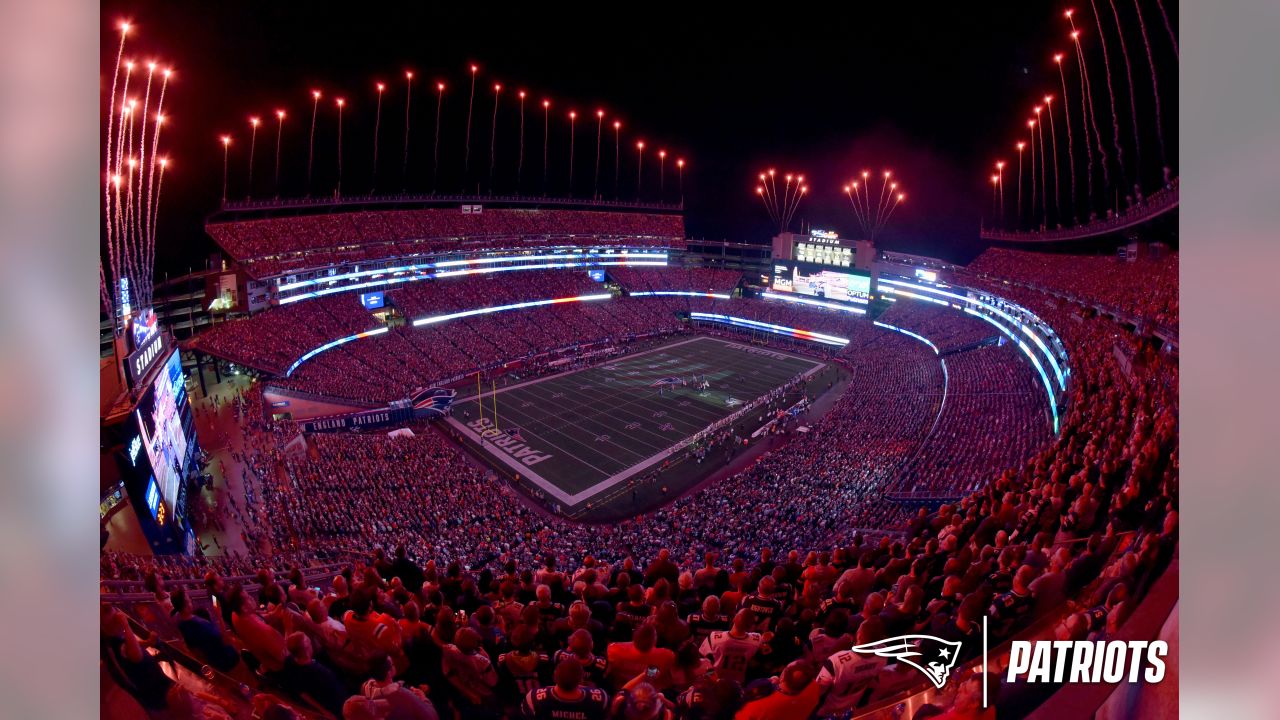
(891, 195)
(1094, 197)
(782, 208)
(133, 179)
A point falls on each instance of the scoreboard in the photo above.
(821, 282)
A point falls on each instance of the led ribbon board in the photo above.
(474, 267)
(770, 328)
(679, 293)
(432, 320)
(1057, 371)
(816, 303)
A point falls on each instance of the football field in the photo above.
(579, 434)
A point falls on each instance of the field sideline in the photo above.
(579, 434)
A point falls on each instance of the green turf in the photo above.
(586, 431)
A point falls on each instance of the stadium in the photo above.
(508, 443)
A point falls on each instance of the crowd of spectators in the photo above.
(490, 596)
(995, 412)
(1146, 288)
(679, 279)
(275, 245)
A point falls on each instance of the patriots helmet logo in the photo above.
(930, 655)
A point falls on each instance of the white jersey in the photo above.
(730, 654)
(845, 676)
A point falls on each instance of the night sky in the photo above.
(931, 91)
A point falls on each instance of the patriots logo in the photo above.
(930, 655)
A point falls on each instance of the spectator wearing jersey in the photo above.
(841, 600)
(709, 620)
(469, 672)
(627, 660)
(832, 637)
(1008, 608)
(594, 667)
(796, 695)
(848, 678)
(522, 670)
(548, 610)
(765, 609)
(579, 618)
(730, 652)
(567, 698)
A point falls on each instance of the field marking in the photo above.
(618, 477)
(593, 367)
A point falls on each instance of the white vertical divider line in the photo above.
(984, 662)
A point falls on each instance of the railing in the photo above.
(1157, 204)
(306, 202)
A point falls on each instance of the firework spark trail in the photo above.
(340, 107)
(408, 125)
(1088, 142)
(896, 201)
(311, 148)
(1093, 119)
(884, 183)
(153, 210)
(493, 136)
(617, 158)
(142, 147)
(1057, 179)
(546, 140)
(849, 192)
(151, 245)
(1044, 191)
(103, 295)
(572, 127)
(253, 145)
(106, 188)
(1019, 221)
(1168, 27)
(466, 162)
(377, 128)
(1071, 145)
(1111, 93)
(1155, 84)
(279, 137)
(130, 266)
(520, 161)
(125, 111)
(857, 209)
(435, 153)
(1031, 124)
(595, 183)
(1133, 101)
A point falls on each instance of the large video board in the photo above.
(164, 422)
(818, 282)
